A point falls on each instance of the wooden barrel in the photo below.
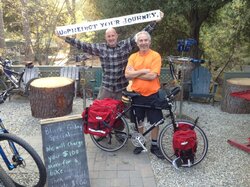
(51, 97)
(232, 104)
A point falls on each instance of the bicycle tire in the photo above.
(3, 88)
(32, 172)
(116, 139)
(166, 137)
(5, 180)
(27, 87)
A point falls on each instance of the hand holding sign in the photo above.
(61, 37)
(161, 16)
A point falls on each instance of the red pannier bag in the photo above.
(100, 117)
(185, 143)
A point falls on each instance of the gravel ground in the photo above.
(224, 165)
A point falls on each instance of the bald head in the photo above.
(110, 29)
(111, 37)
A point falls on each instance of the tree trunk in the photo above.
(2, 38)
(195, 18)
(71, 11)
(51, 97)
(29, 53)
(236, 105)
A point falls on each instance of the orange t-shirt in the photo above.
(151, 60)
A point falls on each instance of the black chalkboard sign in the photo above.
(65, 152)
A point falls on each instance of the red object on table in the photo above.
(242, 94)
(246, 146)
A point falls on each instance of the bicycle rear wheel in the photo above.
(116, 139)
(5, 180)
(30, 171)
(166, 146)
(27, 87)
(3, 88)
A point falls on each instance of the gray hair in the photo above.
(142, 32)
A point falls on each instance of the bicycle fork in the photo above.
(17, 160)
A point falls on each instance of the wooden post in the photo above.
(236, 105)
(51, 97)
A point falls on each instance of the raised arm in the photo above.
(93, 49)
(150, 27)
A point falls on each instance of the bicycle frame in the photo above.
(14, 77)
(132, 107)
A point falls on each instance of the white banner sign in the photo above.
(107, 23)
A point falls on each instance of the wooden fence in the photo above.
(86, 74)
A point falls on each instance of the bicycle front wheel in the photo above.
(166, 143)
(116, 139)
(29, 169)
(5, 180)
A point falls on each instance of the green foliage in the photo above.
(226, 42)
(11, 17)
(164, 40)
(223, 31)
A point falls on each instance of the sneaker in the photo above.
(138, 150)
(177, 163)
(157, 152)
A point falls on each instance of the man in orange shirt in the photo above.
(143, 69)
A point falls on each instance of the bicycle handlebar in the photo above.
(172, 59)
(174, 92)
(197, 61)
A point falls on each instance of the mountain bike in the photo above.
(20, 164)
(118, 136)
(12, 81)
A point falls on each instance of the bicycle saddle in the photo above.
(130, 94)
